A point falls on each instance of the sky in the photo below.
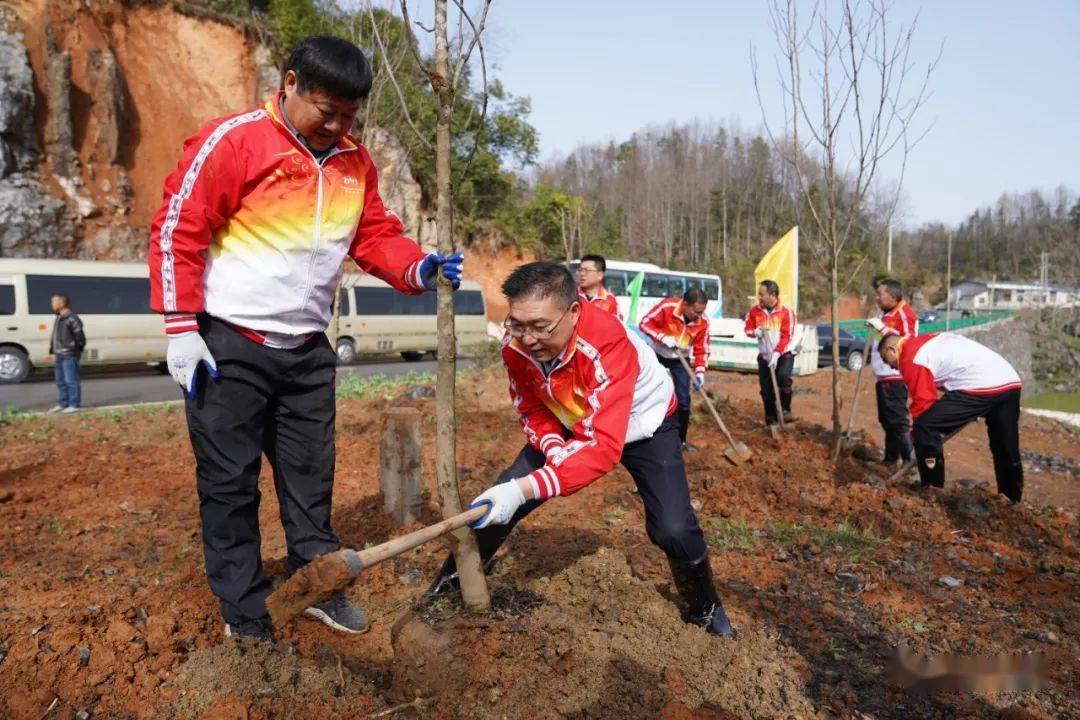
(1004, 113)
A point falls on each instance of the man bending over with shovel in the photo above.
(590, 394)
(978, 383)
(245, 257)
(676, 327)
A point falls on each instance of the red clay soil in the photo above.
(824, 569)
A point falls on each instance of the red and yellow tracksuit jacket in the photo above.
(951, 362)
(604, 390)
(666, 320)
(603, 300)
(902, 321)
(779, 324)
(253, 229)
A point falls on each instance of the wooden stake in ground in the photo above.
(858, 384)
(399, 467)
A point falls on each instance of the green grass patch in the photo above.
(10, 416)
(730, 535)
(379, 386)
(1062, 401)
(844, 537)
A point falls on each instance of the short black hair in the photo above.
(884, 341)
(597, 260)
(695, 296)
(893, 286)
(62, 296)
(770, 287)
(331, 64)
(541, 280)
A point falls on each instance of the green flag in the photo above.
(634, 291)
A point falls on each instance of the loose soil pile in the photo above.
(825, 570)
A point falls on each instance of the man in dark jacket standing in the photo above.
(66, 345)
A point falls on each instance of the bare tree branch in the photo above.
(393, 79)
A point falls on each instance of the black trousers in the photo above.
(952, 411)
(892, 413)
(784, 367)
(681, 378)
(272, 401)
(656, 464)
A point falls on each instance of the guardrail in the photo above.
(858, 327)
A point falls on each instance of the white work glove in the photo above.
(186, 351)
(759, 332)
(876, 324)
(502, 500)
(670, 342)
(773, 359)
(699, 380)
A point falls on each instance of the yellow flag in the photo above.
(781, 265)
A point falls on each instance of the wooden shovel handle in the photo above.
(391, 548)
(708, 402)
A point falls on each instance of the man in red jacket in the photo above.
(680, 327)
(978, 383)
(897, 318)
(245, 256)
(774, 326)
(591, 273)
(591, 394)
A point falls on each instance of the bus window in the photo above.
(655, 285)
(343, 301)
(7, 299)
(712, 289)
(676, 286)
(468, 302)
(374, 301)
(90, 295)
(615, 281)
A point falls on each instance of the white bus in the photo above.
(373, 317)
(113, 300)
(658, 284)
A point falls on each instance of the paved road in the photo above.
(134, 384)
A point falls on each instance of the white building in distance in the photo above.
(1004, 295)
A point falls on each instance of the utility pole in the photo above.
(948, 283)
(888, 255)
(1044, 277)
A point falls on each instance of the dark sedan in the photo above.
(851, 348)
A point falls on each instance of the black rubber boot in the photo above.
(694, 582)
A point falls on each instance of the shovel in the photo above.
(736, 452)
(855, 400)
(326, 574)
(773, 429)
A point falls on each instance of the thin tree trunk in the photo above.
(834, 290)
(474, 590)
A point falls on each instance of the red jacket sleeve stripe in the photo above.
(652, 316)
(198, 203)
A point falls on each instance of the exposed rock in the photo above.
(107, 93)
(118, 242)
(32, 224)
(18, 146)
(268, 75)
(58, 132)
(397, 187)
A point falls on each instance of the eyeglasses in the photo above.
(519, 331)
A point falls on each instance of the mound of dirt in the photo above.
(629, 653)
(242, 678)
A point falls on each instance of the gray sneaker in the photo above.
(257, 630)
(340, 614)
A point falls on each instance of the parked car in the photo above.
(851, 348)
(928, 316)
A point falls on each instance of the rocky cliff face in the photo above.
(96, 100)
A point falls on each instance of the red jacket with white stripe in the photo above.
(604, 390)
(253, 230)
(603, 300)
(666, 320)
(779, 325)
(902, 321)
(951, 362)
